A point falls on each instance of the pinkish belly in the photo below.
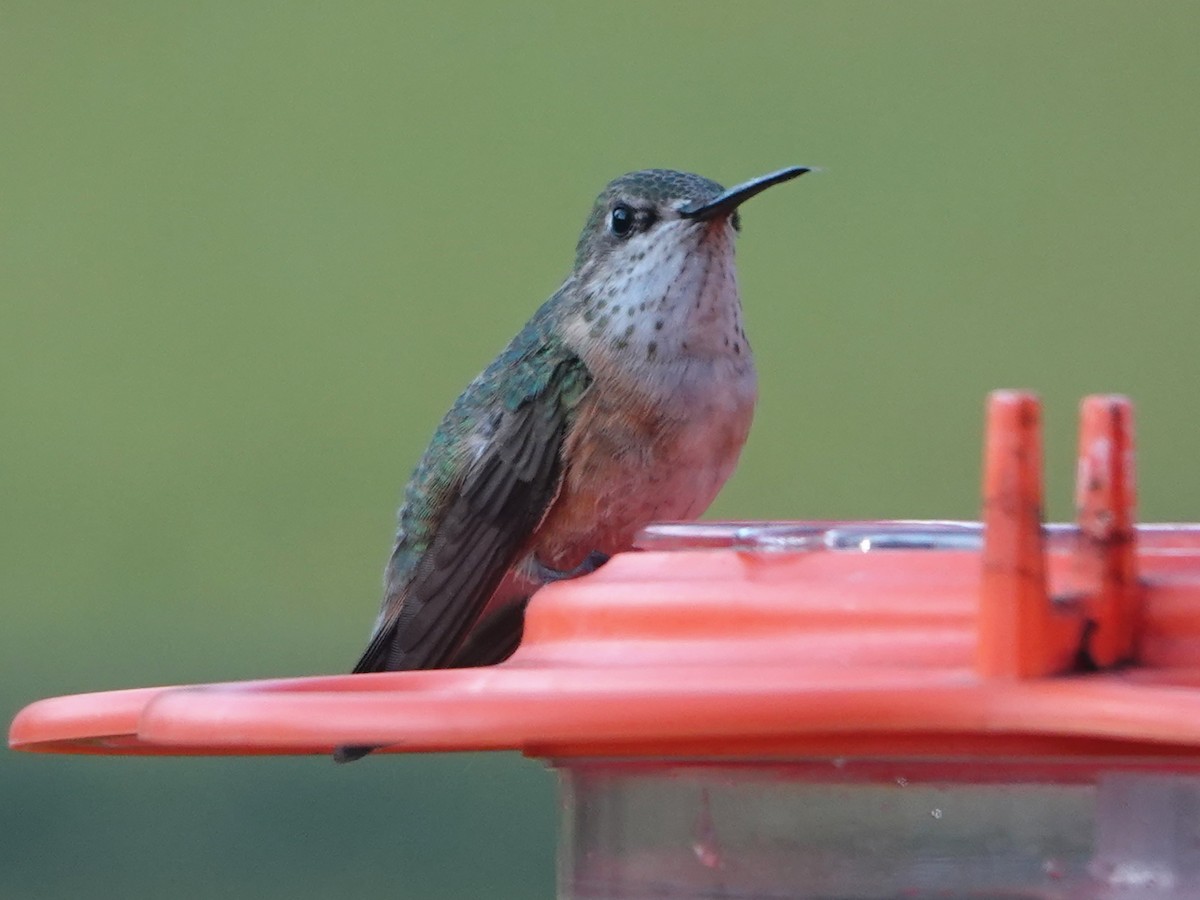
(623, 473)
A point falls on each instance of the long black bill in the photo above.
(725, 203)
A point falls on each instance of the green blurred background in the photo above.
(249, 253)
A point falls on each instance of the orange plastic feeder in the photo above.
(813, 710)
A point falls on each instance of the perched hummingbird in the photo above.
(626, 399)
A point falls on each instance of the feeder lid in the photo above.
(1004, 637)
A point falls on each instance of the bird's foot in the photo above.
(546, 575)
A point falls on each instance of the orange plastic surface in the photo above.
(782, 639)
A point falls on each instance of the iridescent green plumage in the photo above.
(486, 480)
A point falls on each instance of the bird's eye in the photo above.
(621, 220)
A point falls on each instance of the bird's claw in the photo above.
(547, 575)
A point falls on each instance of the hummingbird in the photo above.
(626, 399)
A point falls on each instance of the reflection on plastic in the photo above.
(865, 537)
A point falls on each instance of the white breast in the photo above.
(664, 341)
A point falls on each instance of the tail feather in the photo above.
(493, 641)
(350, 754)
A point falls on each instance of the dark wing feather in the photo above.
(495, 638)
(489, 519)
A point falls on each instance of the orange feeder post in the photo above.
(813, 710)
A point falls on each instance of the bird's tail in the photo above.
(350, 754)
(493, 641)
